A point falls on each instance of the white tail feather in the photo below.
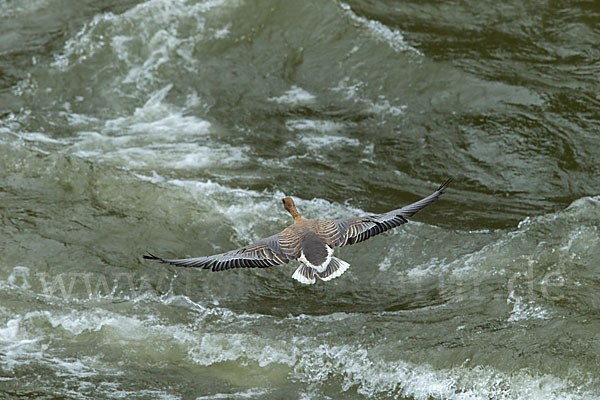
(335, 268)
(304, 275)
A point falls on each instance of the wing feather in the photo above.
(355, 230)
(264, 253)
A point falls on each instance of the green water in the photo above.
(176, 127)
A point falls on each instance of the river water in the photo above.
(176, 126)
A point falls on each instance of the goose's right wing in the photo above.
(354, 230)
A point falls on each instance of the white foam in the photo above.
(113, 391)
(21, 345)
(381, 32)
(316, 143)
(12, 329)
(40, 137)
(585, 203)
(73, 367)
(196, 156)
(155, 35)
(385, 107)
(322, 126)
(16, 346)
(515, 256)
(173, 123)
(221, 33)
(382, 106)
(247, 394)
(240, 207)
(309, 360)
(79, 120)
(158, 135)
(313, 363)
(295, 95)
(77, 322)
(350, 91)
(243, 205)
(385, 264)
(525, 310)
(10, 9)
(156, 118)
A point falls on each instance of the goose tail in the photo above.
(335, 268)
(304, 274)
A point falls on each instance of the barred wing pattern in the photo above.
(290, 243)
(355, 230)
(264, 253)
(328, 232)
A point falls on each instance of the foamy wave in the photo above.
(246, 394)
(385, 107)
(157, 118)
(350, 90)
(315, 143)
(308, 360)
(524, 310)
(20, 347)
(77, 322)
(322, 126)
(40, 137)
(215, 335)
(393, 38)
(153, 43)
(313, 362)
(316, 364)
(9, 9)
(295, 95)
(157, 134)
(17, 348)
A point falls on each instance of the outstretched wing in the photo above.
(354, 230)
(264, 253)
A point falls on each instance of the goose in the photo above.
(310, 241)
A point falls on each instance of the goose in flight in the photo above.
(310, 241)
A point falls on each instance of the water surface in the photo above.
(176, 126)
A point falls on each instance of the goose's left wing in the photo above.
(354, 230)
(264, 253)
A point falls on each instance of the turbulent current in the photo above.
(176, 126)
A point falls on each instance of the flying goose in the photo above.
(310, 241)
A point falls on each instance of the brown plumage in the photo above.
(311, 241)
